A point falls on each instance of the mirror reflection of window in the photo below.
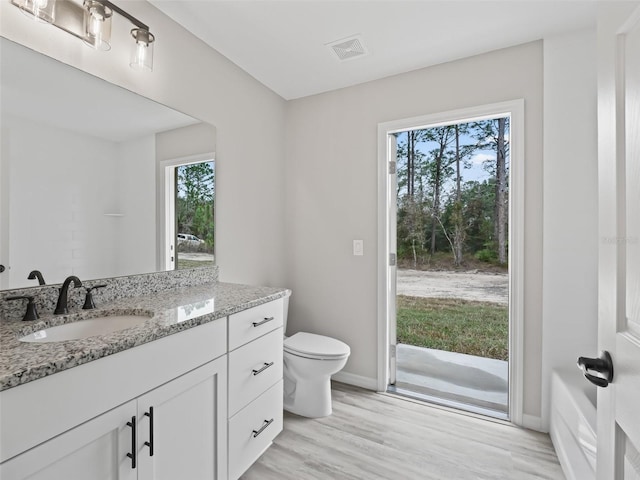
(194, 214)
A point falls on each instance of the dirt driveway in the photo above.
(196, 256)
(485, 287)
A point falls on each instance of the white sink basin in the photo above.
(85, 328)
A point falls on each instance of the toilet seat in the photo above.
(310, 345)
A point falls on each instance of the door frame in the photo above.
(514, 108)
(165, 205)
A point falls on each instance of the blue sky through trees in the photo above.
(475, 168)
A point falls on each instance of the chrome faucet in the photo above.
(61, 306)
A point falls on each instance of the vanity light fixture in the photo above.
(91, 22)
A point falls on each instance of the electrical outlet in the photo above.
(358, 247)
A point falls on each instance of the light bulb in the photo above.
(141, 54)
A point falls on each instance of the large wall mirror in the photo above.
(96, 181)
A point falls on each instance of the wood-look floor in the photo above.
(378, 436)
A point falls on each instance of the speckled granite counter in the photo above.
(171, 311)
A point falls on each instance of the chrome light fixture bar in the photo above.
(91, 22)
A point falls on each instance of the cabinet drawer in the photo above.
(253, 368)
(250, 432)
(253, 323)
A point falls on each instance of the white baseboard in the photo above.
(533, 423)
(356, 380)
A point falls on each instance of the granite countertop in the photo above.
(170, 311)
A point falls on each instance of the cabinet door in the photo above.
(97, 448)
(184, 422)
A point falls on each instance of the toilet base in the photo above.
(308, 398)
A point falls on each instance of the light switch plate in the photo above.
(358, 247)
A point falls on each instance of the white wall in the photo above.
(82, 178)
(331, 194)
(4, 205)
(185, 142)
(57, 222)
(570, 229)
(191, 77)
(136, 184)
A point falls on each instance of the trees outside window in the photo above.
(453, 194)
(195, 205)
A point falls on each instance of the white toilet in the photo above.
(309, 362)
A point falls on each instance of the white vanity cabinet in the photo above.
(77, 424)
(187, 431)
(255, 383)
(201, 404)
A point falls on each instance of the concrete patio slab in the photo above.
(454, 377)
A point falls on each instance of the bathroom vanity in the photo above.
(194, 391)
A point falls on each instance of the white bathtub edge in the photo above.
(572, 425)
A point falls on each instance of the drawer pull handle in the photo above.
(262, 428)
(150, 442)
(266, 365)
(134, 443)
(266, 319)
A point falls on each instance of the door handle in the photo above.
(603, 365)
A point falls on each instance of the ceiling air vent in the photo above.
(348, 48)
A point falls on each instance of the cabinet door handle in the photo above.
(150, 442)
(266, 365)
(262, 428)
(132, 455)
(266, 319)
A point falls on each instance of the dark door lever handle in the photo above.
(603, 365)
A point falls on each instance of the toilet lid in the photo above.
(316, 346)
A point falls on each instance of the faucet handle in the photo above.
(89, 304)
(32, 312)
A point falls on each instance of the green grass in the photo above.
(474, 328)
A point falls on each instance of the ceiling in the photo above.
(283, 44)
